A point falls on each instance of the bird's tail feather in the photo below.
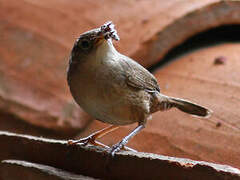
(166, 102)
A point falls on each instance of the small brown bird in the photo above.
(115, 89)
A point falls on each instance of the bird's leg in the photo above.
(117, 147)
(92, 138)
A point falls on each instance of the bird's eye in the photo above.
(85, 44)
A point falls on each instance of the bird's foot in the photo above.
(120, 146)
(115, 148)
(84, 141)
(92, 140)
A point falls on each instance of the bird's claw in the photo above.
(92, 140)
(83, 141)
(115, 148)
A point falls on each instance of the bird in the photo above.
(115, 89)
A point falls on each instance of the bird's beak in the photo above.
(100, 38)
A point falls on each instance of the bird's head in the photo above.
(91, 41)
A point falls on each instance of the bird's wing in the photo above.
(137, 76)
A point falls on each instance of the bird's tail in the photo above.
(166, 102)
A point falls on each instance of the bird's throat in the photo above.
(106, 51)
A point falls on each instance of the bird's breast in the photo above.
(99, 91)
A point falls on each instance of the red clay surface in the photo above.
(35, 42)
